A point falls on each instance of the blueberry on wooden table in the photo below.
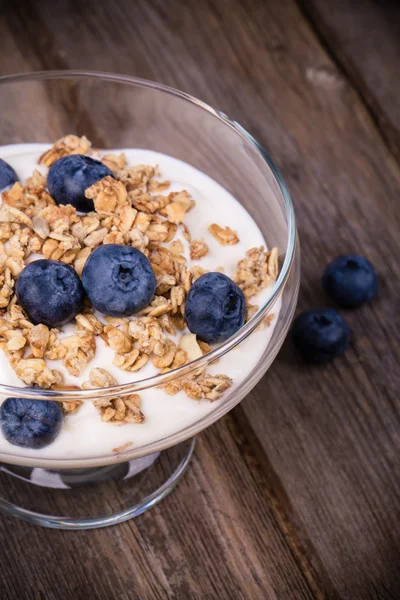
(350, 280)
(50, 292)
(320, 335)
(30, 423)
(118, 280)
(215, 308)
(70, 176)
(7, 175)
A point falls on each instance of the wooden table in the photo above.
(296, 493)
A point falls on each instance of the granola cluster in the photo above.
(114, 410)
(256, 270)
(129, 208)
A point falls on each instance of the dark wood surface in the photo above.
(296, 493)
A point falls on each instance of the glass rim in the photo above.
(243, 332)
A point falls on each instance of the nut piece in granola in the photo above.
(41, 227)
(81, 259)
(191, 346)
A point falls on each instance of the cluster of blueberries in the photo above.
(322, 334)
(119, 282)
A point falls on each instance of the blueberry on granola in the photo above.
(320, 335)
(215, 308)
(50, 292)
(71, 175)
(30, 423)
(350, 280)
(118, 280)
(7, 175)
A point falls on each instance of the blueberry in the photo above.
(50, 292)
(215, 308)
(7, 175)
(350, 280)
(320, 335)
(70, 176)
(118, 280)
(30, 423)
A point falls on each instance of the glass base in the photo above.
(92, 498)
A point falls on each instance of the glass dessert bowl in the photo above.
(238, 192)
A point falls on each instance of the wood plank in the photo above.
(209, 539)
(320, 447)
(364, 38)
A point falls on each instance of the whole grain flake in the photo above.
(198, 249)
(224, 235)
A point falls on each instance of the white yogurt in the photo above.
(84, 435)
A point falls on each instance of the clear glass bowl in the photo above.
(116, 111)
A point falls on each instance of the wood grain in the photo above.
(364, 38)
(295, 494)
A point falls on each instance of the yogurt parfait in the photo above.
(116, 266)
